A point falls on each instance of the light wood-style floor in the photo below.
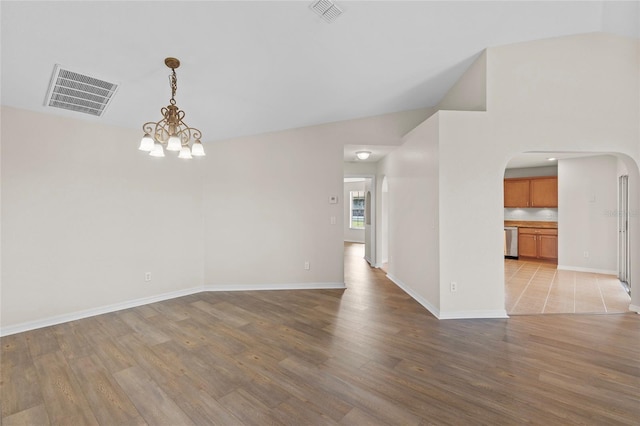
(540, 288)
(368, 355)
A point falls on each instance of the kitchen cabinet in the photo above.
(539, 243)
(531, 192)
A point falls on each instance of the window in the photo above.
(357, 210)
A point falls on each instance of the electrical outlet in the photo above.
(453, 286)
(332, 220)
(307, 266)
(147, 276)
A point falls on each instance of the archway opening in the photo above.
(568, 256)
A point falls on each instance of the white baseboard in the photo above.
(592, 270)
(289, 286)
(498, 313)
(634, 308)
(354, 241)
(442, 315)
(86, 313)
(415, 296)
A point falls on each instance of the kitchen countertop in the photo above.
(531, 224)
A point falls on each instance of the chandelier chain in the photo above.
(173, 78)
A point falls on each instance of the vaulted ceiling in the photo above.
(255, 67)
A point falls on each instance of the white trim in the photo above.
(498, 313)
(634, 308)
(421, 300)
(354, 241)
(86, 313)
(591, 270)
(288, 286)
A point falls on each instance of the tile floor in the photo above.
(539, 288)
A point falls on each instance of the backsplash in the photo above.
(542, 215)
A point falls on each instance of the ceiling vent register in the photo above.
(326, 9)
(77, 92)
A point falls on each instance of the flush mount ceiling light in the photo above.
(171, 132)
(363, 155)
(551, 159)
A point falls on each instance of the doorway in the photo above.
(384, 225)
(623, 233)
(586, 280)
(359, 213)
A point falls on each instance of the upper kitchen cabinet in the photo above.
(531, 192)
(544, 192)
(516, 192)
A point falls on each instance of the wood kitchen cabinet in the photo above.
(539, 243)
(531, 192)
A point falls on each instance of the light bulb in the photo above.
(157, 150)
(185, 153)
(197, 150)
(147, 142)
(174, 143)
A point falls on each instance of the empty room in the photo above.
(319, 212)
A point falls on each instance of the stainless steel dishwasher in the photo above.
(511, 242)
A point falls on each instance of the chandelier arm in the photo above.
(197, 134)
(180, 116)
(149, 127)
(188, 134)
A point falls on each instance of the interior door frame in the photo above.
(372, 228)
(623, 232)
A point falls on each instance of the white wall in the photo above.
(413, 219)
(85, 215)
(470, 91)
(267, 212)
(266, 203)
(587, 199)
(351, 235)
(576, 93)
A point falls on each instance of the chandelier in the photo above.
(171, 133)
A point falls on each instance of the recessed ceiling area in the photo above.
(255, 67)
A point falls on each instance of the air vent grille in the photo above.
(327, 10)
(77, 92)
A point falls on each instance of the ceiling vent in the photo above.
(327, 10)
(77, 92)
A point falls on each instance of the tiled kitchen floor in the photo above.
(539, 288)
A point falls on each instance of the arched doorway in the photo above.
(584, 278)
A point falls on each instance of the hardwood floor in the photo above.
(367, 355)
(540, 288)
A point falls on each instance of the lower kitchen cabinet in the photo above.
(539, 243)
